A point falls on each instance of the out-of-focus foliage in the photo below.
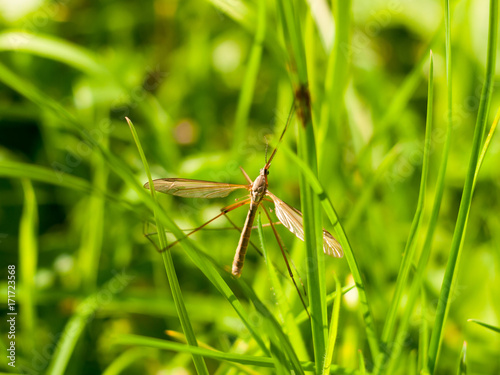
(177, 70)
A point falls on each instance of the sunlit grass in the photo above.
(387, 153)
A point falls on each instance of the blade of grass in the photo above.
(363, 201)
(309, 202)
(489, 326)
(175, 288)
(423, 342)
(334, 323)
(35, 172)
(182, 338)
(400, 99)
(279, 340)
(411, 243)
(418, 281)
(349, 254)
(462, 366)
(92, 233)
(486, 145)
(195, 350)
(302, 316)
(126, 359)
(243, 359)
(74, 328)
(394, 350)
(249, 81)
(52, 48)
(465, 203)
(281, 300)
(243, 13)
(362, 366)
(336, 80)
(440, 184)
(320, 12)
(28, 258)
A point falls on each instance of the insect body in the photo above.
(290, 217)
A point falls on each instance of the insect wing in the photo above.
(186, 188)
(291, 218)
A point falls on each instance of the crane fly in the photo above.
(290, 217)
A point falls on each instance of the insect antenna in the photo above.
(289, 119)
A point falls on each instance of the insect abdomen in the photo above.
(241, 250)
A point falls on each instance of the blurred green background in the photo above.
(179, 71)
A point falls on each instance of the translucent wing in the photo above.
(291, 218)
(183, 187)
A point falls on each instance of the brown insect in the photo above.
(290, 217)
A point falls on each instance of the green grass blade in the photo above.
(309, 202)
(401, 98)
(364, 200)
(336, 80)
(462, 366)
(280, 342)
(334, 325)
(361, 359)
(440, 184)
(92, 234)
(249, 81)
(486, 145)
(28, 259)
(195, 350)
(321, 13)
(52, 48)
(411, 243)
(74, 328)
(489, 326)
(126, 359)
(349, 254)
(281, 300)
(23, 170)
(423, 342)
(182, 313)
(293, 35)
(465, 204)
(330, 298)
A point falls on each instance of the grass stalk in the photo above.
(408, 254)
(486, 325)
(182, 313)
(465, 203)
(73, 330)
(249, 81)
(336, 80)
(309, 202)
(320, 192)
(281, 300)
(28, 259)
(92, 234)
(334, 325)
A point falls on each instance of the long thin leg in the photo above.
(286, 260)
(223, 210)
(247, 177)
